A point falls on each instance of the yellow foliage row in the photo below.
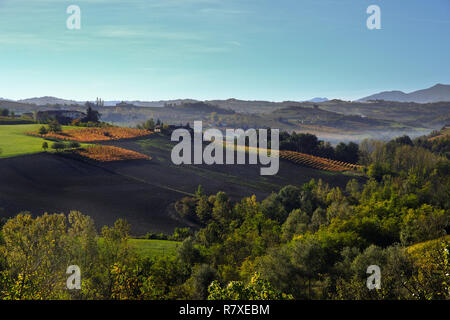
(110, 153)
(317, 162)
(96, 134)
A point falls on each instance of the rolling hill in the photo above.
(49, 100)
(143, 192)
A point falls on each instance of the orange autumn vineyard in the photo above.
(95, 134)
(317, 162)
(110, 153)
(100, 153)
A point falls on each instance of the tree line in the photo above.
(310, 144)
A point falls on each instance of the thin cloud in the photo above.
(145, 33)
(221, 11)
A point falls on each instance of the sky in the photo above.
(272, 50)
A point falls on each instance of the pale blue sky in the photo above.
(218, 49)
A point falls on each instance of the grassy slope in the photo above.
(152, 248)
(14, 141)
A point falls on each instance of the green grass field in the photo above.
(14, 141)
(153, 248)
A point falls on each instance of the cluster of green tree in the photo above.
(91, 119)
(150, 124)
(53, 126)
(403, 157)
(35, 253)
(310, 144)
(59, 145)
(439, 146)
(317, 241)
(6, 113)
(92, 116)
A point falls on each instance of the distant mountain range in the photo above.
(437, 93)
(54, 100)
